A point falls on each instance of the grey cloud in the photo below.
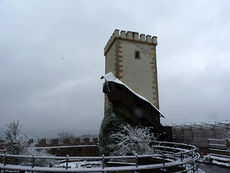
(44, 90)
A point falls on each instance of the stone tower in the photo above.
(132, 59)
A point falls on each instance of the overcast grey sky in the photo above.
(51, 58)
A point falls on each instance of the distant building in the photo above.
(132, 59)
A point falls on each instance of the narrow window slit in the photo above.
(137, 55)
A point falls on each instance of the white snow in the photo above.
(221, 163)
(216, 159)
(213, 139)
(200, 171)
(111, 78)
(218, 145)
(80, 164)
(132, 140)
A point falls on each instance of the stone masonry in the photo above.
(132, 59)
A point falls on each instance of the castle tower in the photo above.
(132, 59)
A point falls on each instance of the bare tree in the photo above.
(15, 140)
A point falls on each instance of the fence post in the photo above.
(103, 160)
(181, 157)
(5, 159)
(163, 156)
(67, 160)
(193, 169)
(136, 160)
(33, 160)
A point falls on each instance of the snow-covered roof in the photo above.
(111, 78)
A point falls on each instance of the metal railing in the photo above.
(217, 146)
(171, 155)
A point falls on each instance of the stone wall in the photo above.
(83, 150)
(199, 133)
(72, 146)
(140, 74)
(46, 142)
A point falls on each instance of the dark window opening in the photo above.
(137, 55)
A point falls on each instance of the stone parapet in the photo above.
(66, 141)
(131, 36)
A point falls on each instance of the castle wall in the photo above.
(198, 134)
(110, 60)
(46, 142)
(139, 74)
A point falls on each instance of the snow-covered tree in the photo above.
(32, 151)
(15, 140)
(132, 140)
(16, 143)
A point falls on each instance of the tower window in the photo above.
(137, 55)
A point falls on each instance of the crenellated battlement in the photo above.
(128, 35)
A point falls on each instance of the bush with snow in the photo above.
(32, 151)
(15, 139)
(132, 140)
(16, 142)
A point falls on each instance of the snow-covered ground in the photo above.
(210, 168)
(200, 171)
(90, 164)
(80, 164)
